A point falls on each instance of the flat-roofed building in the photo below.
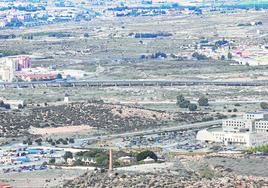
(256, 115)
(248, 139)
(9, 65)
(251, 130)
(261, 126)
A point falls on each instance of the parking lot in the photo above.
(170, 141)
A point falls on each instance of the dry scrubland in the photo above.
(153, 105)
(109, 46)
(136, 94)
(159, 98)
(109, 53)
(184, 172)
(108, 117)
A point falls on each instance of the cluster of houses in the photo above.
(228, 50)
(33, 13)
(24, 155)
(88, 161)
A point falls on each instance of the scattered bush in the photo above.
(144, 154)
(264, 105)
(52, 160)
(203, 101)
(199, 57)
(192, 107)
(184, 104)
(67, 155)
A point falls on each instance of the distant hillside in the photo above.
(232, 3)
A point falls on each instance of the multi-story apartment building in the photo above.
(9, 65)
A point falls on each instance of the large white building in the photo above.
(7, 69)
(9, 66)
(251, 130)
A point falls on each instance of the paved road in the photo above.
(253, 101)
(129, 83)
(200, 125)
(79, 143)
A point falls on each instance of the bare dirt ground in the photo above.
(60, 130)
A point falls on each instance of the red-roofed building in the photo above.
(4, 185)
(37, 76)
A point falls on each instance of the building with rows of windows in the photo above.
(12, 64)
(250, 130)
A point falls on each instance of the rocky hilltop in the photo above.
(103, 179)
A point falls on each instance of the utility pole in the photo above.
(110, 160)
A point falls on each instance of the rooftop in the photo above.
(260, 112)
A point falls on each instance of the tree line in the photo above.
(184, 103)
